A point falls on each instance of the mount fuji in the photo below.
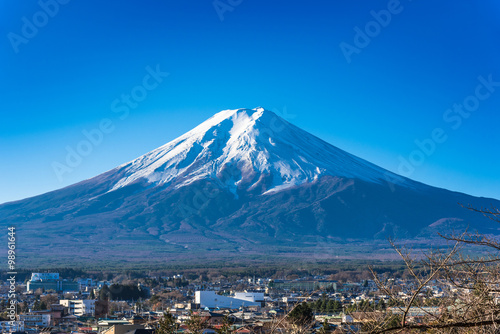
(251, 149)
(244, 183)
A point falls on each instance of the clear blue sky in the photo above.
(62, 78)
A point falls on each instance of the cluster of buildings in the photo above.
(254, 308)
(64, 315)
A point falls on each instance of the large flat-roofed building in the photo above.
(51, 281)
(257, 297)
(212, 300)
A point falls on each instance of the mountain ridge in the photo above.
(243, 183)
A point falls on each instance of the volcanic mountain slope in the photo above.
(243, 182)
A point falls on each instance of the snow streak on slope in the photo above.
(257, 146)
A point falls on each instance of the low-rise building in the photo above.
(35, 319)
(79, 307)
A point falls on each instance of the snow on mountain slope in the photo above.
(256, 146)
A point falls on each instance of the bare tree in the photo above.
(468, 273)
(167, 324)
(195, 323)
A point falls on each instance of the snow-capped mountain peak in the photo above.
(246, 149)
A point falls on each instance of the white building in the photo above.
(212, 300)
(250, 296)
(11, 326)
(34, 320)
(79, 307)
